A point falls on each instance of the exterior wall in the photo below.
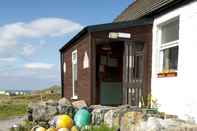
(177, 95)
(83, 87)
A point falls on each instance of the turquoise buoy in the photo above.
(82, 118)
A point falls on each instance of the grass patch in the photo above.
(9, 110)
(11, 106)
(101, 127)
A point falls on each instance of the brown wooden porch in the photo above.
(120, 62)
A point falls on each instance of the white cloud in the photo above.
(11, 34)
(39, 66)
(9, 59)
(39, 28)
(20, 42)
(28, 50)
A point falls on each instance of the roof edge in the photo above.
(77, 36)
(107, 26)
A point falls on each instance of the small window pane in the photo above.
(75, 72)
(74, 56)
(170, 59)
(170, 32)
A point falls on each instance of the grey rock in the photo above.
(43, 112)
(43, 124)
(51, 111)
(169, 123)
(79, 104)
(52, 103)
(153, 124)
(63, 106)
(64, 102)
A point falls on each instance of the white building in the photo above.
(2, 92)
(174, 50)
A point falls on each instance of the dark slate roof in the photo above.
(107, 26)
(141, 8)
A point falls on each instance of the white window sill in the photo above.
(74, 97)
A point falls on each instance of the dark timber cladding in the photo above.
(85, 41)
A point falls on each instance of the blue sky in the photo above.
(32, 31)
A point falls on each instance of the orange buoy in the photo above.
(74, 128)
(63, 129)
(40, 129)
(51, 129)
(64, 121)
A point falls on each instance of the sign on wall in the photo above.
(85, 61)
(115, 35)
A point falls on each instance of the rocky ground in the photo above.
(7, 123)
(124, 118)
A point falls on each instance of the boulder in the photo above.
(51, 111)
(64, 102)
(130, 120)
(52, 103)
(153, 124)
(64, 106)
(112, 117)
(79, 104)
(42, 111)
(98, 114)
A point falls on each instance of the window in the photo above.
(74, 73)
(169, 42)
(64, 67)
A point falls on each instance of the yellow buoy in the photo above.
(74, 128)
(51, 129)
(40, 129)
(64, 121)
(63, 129)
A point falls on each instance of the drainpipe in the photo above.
(62, 74)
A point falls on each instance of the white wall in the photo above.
(178, 95)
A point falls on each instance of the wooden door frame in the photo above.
(130, 56)
(92, 47)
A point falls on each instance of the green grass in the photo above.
(101, 127)
(8, 110)
(11, 106)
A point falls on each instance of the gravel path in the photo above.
(6, 124)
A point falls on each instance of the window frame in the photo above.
(168, 45)
(74, 62)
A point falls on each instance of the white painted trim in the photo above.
(161, 46)
(169, 45)
(74, 61)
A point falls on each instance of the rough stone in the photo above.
(153, 124)
(79, 104)
(64, 102)
(98, 114)
(112, 117)
(43, 111)
(52, 103)
(51, 111)
(129, 120)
